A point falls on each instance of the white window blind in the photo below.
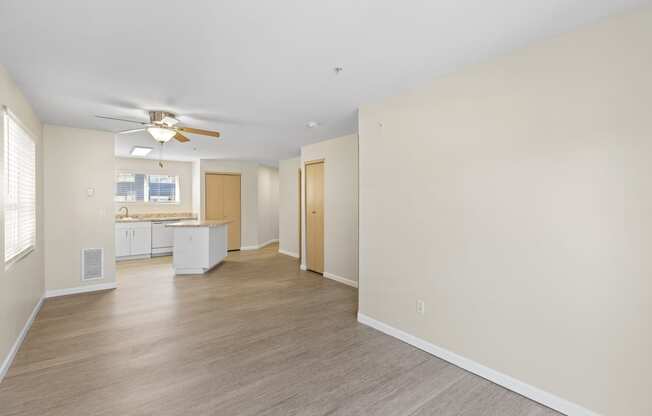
(20, 188)
(140, 187)
(129, 187)
(162, 188)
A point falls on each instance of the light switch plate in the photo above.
(421, 307)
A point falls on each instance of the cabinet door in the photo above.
(122, 242)
(141, 241)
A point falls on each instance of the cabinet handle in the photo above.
(127, 234)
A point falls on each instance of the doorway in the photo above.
(314, 177)
(222, 202)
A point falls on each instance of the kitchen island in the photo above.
(198, 245)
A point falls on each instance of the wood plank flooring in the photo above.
(255, 336)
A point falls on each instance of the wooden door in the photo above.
(222, 202)
(315, 216)
(214, 197)
(232, 209)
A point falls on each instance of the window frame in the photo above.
(115, 184)
(177, 193)
(7, 114)
(146, 200)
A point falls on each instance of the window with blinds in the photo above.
(139, 187)
(129, 187)
(162, 188)
(20, 188)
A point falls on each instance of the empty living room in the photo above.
(197, 217)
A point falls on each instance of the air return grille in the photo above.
(92, 264)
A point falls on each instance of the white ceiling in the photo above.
(258, 71)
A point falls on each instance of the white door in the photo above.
(141, 241)
(122, 242)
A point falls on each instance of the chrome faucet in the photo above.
(126, 211)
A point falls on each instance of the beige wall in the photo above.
(288, 215)
(340, 203)
(75, 160)
(148, 166)
(514, 198)
(22, 284)
(197, 193)
(268, 189)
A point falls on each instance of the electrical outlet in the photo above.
(421, 307)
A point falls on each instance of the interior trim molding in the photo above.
(341, 279)
(510, 383)
(80, 289)
(259, 246)
(266, 243)
(303, 267)
(288, 253)
(9, 359)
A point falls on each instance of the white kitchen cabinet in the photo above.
(133, 239)
(141, 241)
(122, 242)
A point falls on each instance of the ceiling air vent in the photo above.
(92, 264)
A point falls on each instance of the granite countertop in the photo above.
(156, 217)
(197, 223)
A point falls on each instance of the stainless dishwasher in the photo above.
(162, 238)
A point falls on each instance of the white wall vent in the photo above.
(92, 263)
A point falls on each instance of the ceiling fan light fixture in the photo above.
(169, 121)
(161, 134)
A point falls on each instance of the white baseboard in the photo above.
(341, 279)
(524, 389)
(289, 253)
(9, 359)
(259, 246)
(138, 257)
(303, 267)
(80, 289)
(266, 243)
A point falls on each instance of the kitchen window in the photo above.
(130, 187)
(162, 188)
(20, 188)
(140, 187)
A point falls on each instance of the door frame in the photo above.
(215, 172)
(300, 177)
(305, 209)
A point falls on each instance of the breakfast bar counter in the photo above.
(198, 245)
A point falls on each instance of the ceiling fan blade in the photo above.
(130, 131)
(180, 137)
(122, 119)
(199, 131)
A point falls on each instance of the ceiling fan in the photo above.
(163, 127)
